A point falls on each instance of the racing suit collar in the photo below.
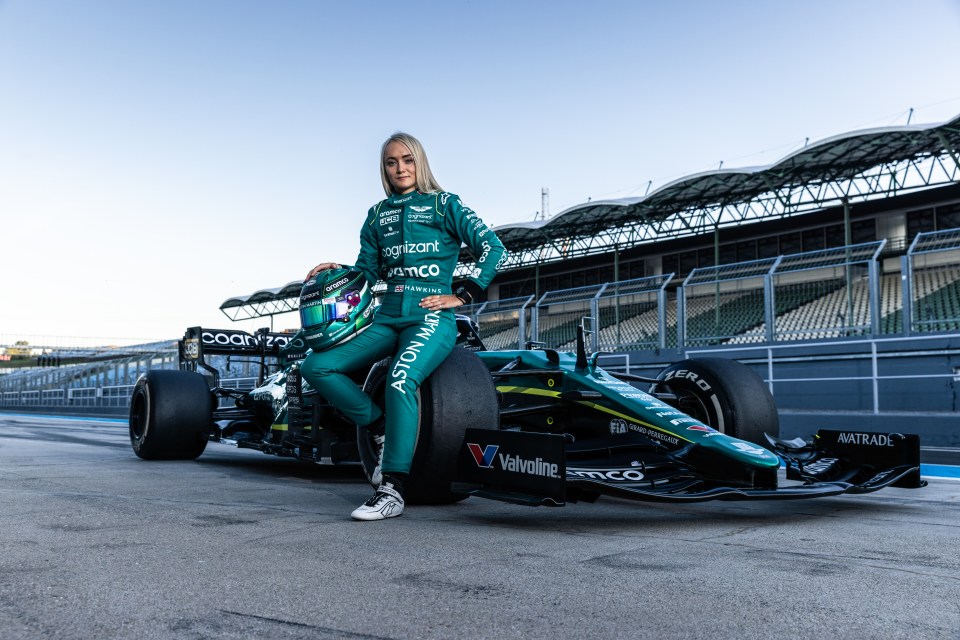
(396, 198)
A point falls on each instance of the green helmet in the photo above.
(335, 305)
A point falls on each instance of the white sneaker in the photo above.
(376, 478)
(385, 503)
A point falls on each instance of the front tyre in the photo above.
(723, 394)
(457, 395)
(170, 413)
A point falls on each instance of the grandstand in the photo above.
(84, 378)
(885, 185)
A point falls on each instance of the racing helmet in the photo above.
(335, 305)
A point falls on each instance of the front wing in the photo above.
(533, 469)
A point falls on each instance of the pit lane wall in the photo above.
(907, 384)
(80, 412)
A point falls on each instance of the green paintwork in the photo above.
(646, 414)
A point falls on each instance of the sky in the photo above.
(157, 158)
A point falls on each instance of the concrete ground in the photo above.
(95, 543)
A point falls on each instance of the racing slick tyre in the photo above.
(457, 395)
(723, 394)
(170, 415)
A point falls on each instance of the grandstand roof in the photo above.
(264, 302)
(265, 295)
(842, 157)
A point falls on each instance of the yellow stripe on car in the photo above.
(527, 390)
(592, 405)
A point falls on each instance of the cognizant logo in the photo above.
(398, 250)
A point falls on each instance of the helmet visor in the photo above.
(327, 311)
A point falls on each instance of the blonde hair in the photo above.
(426, 183)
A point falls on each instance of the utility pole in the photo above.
(544, 214)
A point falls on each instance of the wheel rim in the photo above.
(693, 406)
(138, 415)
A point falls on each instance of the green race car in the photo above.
(533, 426)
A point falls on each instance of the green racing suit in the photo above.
(411, 242)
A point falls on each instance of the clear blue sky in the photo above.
(159, 157)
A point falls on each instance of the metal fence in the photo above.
(831, 293)
(559, 312)
(83, 397)
(720, 303)
(633, 314)
(931, 302)
(504, 324)
(626, 314)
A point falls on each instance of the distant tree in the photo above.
(20, 350)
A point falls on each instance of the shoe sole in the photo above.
(369, 517)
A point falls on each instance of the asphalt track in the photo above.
(95, 543)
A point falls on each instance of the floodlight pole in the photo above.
(536, 279)
(716, 266)
(616, 297)
(847, 241)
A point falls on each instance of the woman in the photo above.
(411, 240)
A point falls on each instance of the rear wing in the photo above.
(267, 348)
(261, 346)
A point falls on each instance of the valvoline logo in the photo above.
(483, 456)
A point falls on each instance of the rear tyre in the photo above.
(458, 395)
(170, 413)
(723, 394)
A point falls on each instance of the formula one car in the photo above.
(535, 427)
